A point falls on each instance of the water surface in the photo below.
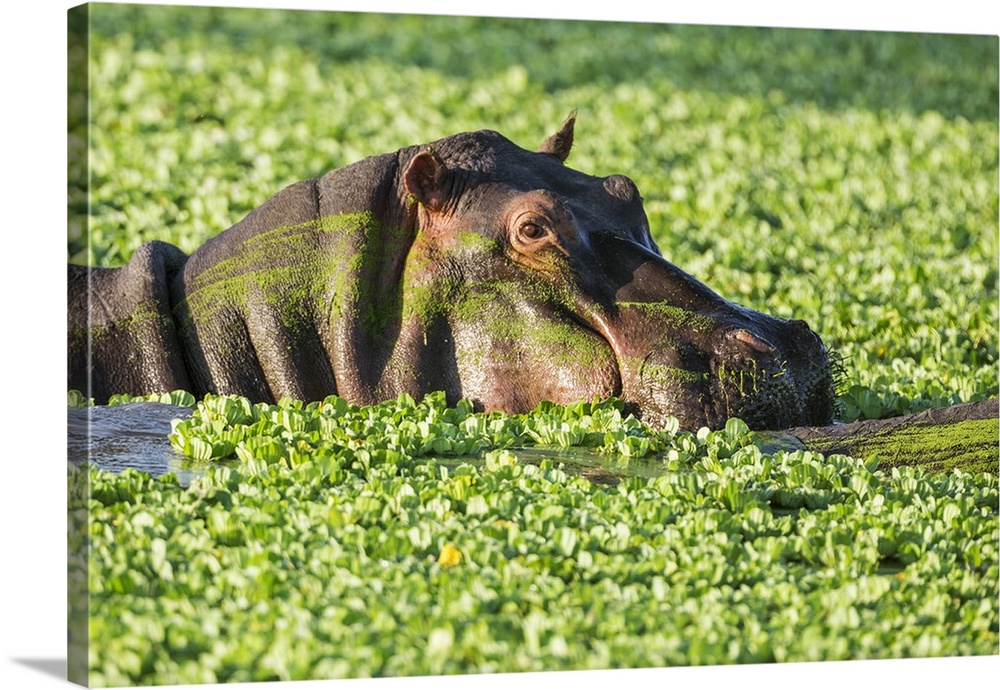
(133, 435)
(136, 436)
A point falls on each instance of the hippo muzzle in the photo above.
(683, 351)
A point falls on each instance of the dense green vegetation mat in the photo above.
(846, 178)
(363, 541)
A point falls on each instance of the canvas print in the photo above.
(409, 345)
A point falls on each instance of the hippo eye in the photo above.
(534, 235)
(532, 231)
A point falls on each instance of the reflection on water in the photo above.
(599, 468)
(133, 435)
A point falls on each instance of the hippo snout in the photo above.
(772, 374)
(775, 376)
(686, 352)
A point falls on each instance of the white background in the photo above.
(32, 332)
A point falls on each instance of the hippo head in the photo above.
(529, 281)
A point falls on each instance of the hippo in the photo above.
(468, 265)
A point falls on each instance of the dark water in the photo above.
(133, 435)
(599, 468)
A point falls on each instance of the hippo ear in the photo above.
(426, 179)
(561, 142)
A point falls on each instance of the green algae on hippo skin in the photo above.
(672, 315)
(566, 345)
(262, 263)
(144, 315)
(662, 375)
(428, 295)
(472, 241)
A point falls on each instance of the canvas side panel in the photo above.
(77, 236)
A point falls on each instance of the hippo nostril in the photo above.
(748, 338)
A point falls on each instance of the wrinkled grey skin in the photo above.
(468, 265)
